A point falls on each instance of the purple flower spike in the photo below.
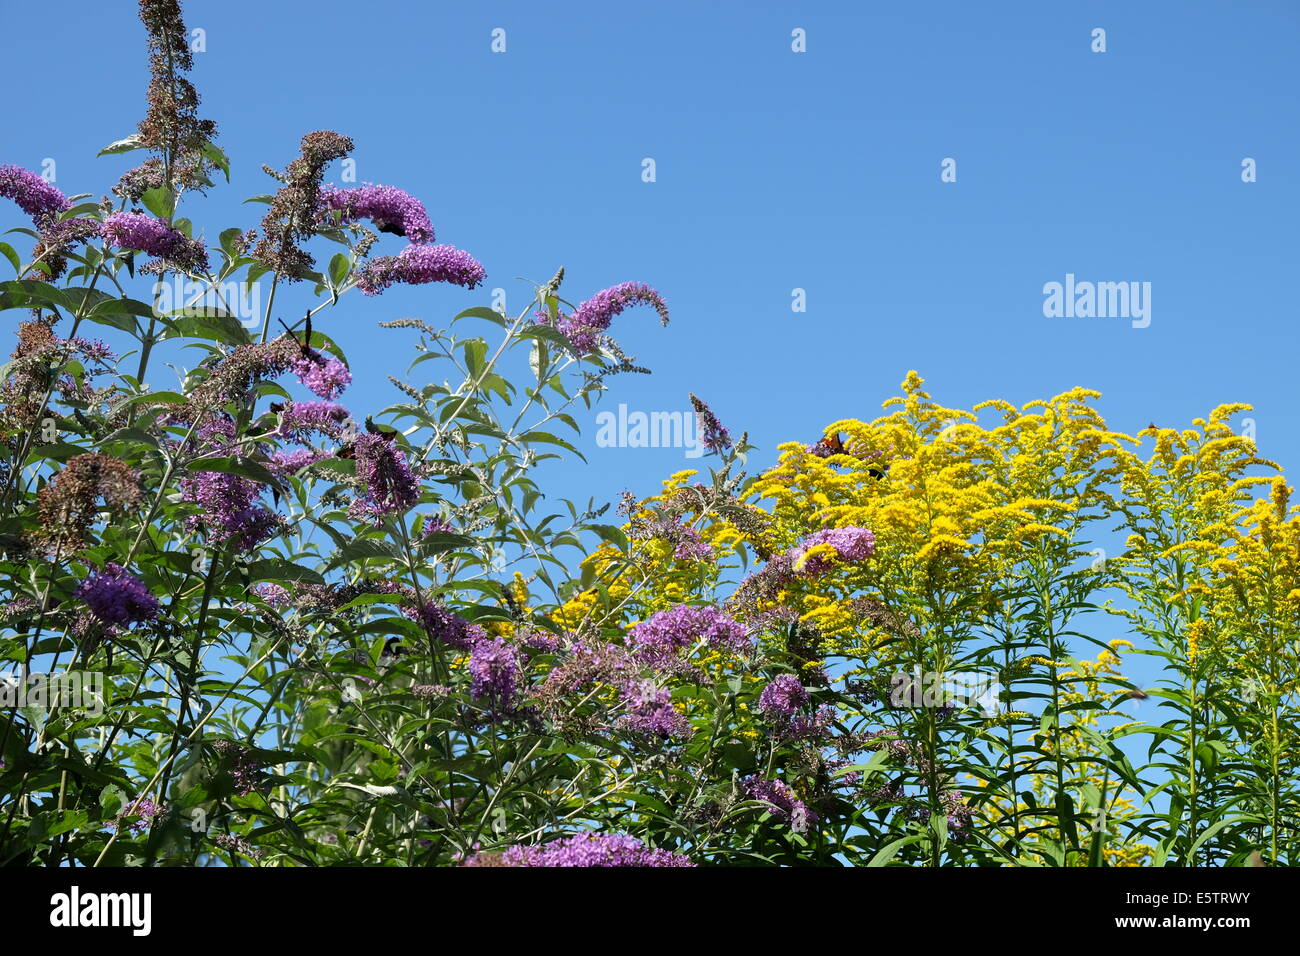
(781, 802)
(324, 376)
(585, 849)
(389, 208)
(118, 597)
(594, 316)
(782, 697)
(715, 436)
(300, 420)
(34, 195)
(134, 230)
(850, 545)
(494, 669)
(390, 485)
(420, 265)
(659, 638)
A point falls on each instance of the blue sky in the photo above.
(775, 170)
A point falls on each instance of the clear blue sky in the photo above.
(776, 170)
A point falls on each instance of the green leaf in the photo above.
(274, 569)
(132, 142)
(8, 252)
(339, 266)
(481, 312)
(214, 154)
(888, 852)
(244, 467)
(160, 201)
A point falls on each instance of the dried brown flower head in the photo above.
(292, 218)
(172, 127)
(69, 504)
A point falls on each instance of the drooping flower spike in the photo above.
(391, 210)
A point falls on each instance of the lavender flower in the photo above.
(273, 594)
(284, 463)
(494, 670)
(240, 763)
(815, 729)
(34, 195)
(145, 810)
(390, 485)
(586, 849)
(300, 420)
(419, 265)
(324, 376)
(782, 697)
(591, 318)
(435, 524)
(716, 437)
(650, 711)
(229, 509)
(781, 801)
(134, 230)
(667, 632)
(445, 626)
(818, 552)
(117, 597)
(389, 208)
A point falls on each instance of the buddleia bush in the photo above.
(244, 623)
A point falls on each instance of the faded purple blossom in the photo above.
(430, 691)
(815, 729)
(849, 545)
(419, 265)
(134, 230)
(586, 849)
(715, 438)
(444, 626)
(781, 801)
(691, 547)
(389, 484)
(584, 327)
(60, 238)
(538, 639)
(237, 844)
(245, 772)
(34, 196)
(389, 208)
(650, 711)
(117, 596)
